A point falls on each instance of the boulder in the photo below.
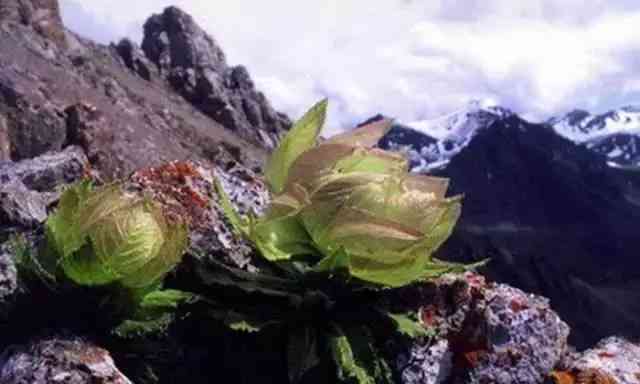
(59, 360)
(486, 332)
(613, 360)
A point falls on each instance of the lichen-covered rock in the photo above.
(59, 360)
(494, 333)
(613, 360)
(8, 278)
(429, 363)
(186, 189)
(195, 66)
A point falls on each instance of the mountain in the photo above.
(552, 215)
(615, 134)
(430, 144)
(128, 107)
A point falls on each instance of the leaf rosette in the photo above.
(104, 235)
(345, 205)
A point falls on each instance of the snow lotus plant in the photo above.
(106, 237)
(347, 226)
(343, 204)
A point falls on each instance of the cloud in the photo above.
(410, 59)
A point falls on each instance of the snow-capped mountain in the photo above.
(615, 134)
(430, 144)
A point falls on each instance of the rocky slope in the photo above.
(125, 109)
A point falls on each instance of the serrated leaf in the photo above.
(218, 274)
(154, 313)
(302, 354)
(356, 357)
(300, 138)
(238, 224)
(62, 227)
(407, 326)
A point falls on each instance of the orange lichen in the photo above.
(594, 376)
(173, 186)
(562, 377)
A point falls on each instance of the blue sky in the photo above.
(410, 59)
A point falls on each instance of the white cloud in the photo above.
(407, 59)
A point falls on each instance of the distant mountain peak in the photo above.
(615, 134)
(430, 144)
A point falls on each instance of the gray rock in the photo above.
(29, 187)
(8, 278)
(613, 358)
(5, 148)
(486, 333)
(31, 129)
(134, 58)
(42, 15)
(59, 360)
(21, 207)
(48, 171)
(196, 67)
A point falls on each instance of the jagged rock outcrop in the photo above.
(53, 95)
(484, 332)
(135, 59)
(60, 360)
(196, 67)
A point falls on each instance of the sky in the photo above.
(409, 59)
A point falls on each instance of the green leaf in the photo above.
(337, 261)
(218, 274)
(357, 358)
(302, 354)
(62, 227)
(241, 322)
(300, 138)
(32, 263)
(281, 238)
(237, 223)
(154, 313)
(407, 326)
(365, 136)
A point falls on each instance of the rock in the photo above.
(186, 191)
(196, 67)
(612, 360)
(31, 129)
(492, 333)
(47, 172)
(42, 15)
(60, 360)
(135, 59)
(28, 187)
(5, 149)
(21, 207)
(8, 278)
